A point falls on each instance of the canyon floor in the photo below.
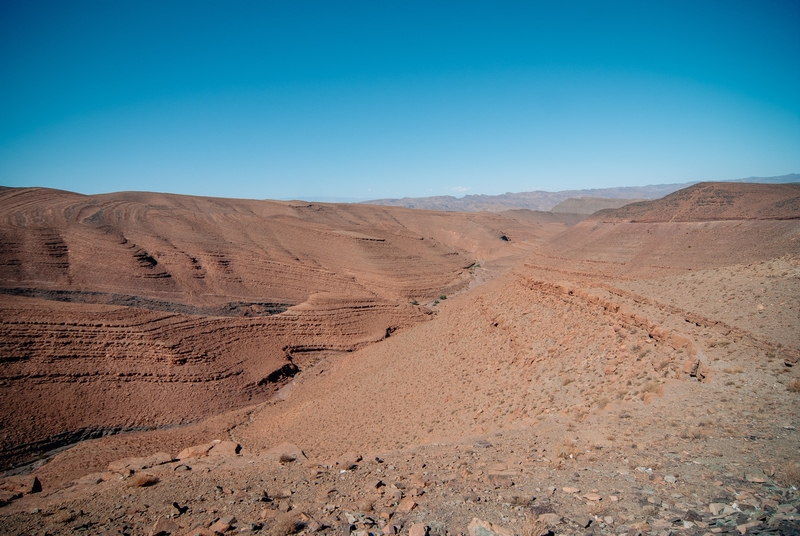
(285, 368)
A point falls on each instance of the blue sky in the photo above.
(393, 99)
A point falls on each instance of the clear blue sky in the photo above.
(390, 99)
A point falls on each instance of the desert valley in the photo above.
(194, 366)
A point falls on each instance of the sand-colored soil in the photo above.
(601, 377)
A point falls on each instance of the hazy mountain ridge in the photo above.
(544, 201)
(590, 205)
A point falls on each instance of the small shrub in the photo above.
(649, 510)
(651, 387)
(789, 475)
(794, 386)
(442, 297)
(535, 528)
(141, 480)
(288, 523)
(693, 433)
(569, 450)
(414, 302)
(597, 508)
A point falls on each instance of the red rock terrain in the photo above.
(608, 377)
(140, 310)
(714, 201)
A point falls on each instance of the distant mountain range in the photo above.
(545, 201)
(590, 205)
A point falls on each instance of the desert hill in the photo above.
(710, 201)
(126, 310)
(600, 377)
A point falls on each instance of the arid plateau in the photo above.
(195, 366)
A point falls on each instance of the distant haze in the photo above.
(540, 200)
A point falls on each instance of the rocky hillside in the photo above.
(599, 378)
(710, 201)
(137, 310)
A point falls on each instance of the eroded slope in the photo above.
(591, 388)
(137, 310)
(711, 201)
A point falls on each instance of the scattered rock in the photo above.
(549, 518)
(225, 448)
(284, 453)
(197, 451)
(478, 527)
(517, 500)
(393, 494)
(284, 493)
(200, 531)
(568, 489)
(289, 523)
(418, 529)
(8, 496)
(22, 484)
(743, 528)
(406, 505)
(682, 342)
(661, 524)
(503, 479)
(223, 524)
(365, 505)
(163, 527)
(348, 461)
(65, 516)
(90, 479)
